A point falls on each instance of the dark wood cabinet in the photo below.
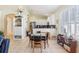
(73, 46)
(34, 25)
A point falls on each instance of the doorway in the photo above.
(9, 25)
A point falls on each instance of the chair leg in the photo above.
(33, 45)
(44, 44)
(47, 43)
(41, 47)
(29, 42)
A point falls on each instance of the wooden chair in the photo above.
(36, 42)
(45, 40)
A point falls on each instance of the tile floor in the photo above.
(22, 46)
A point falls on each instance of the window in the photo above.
(70, 21)
(77, 13)
(72, 14)
(77, 30)
(72, 29)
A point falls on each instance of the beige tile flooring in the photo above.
(22, 46)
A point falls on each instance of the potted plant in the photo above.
(1, 33)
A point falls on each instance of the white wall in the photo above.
(58, 18)
(3, 13)
(1, 21)
(51, 19)
(40, 22)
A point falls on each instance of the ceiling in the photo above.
(44, 10)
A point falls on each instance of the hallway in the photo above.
(52, 19)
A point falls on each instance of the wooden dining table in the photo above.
(38, 34)
(40, 37)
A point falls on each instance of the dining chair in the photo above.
(45, 40)
(30, 39)
(37, 42)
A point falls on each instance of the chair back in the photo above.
(37, 38)
(47, 35)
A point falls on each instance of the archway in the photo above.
(8, 26)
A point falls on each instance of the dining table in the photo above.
(38, 36)
(38, 39)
